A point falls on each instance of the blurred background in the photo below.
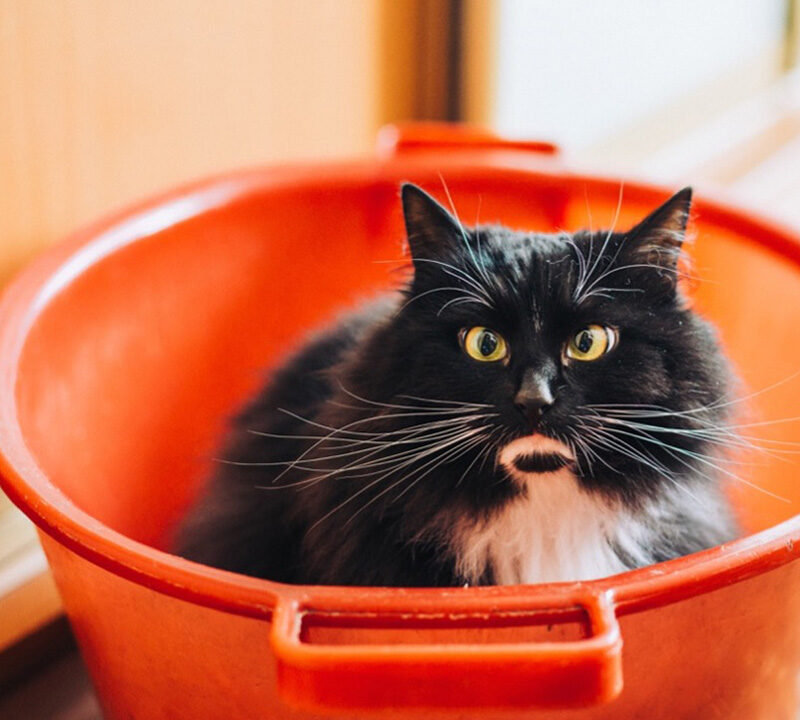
(105, 101)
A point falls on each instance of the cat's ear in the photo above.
(430, 229)
(657, 240)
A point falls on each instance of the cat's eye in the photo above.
(484, 344)
(590, 343)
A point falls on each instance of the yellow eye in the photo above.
(483, 344)
(590, 343)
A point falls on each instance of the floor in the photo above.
(61, 692)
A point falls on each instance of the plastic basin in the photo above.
(124, 350)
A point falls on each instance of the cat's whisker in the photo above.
(588, 208)
(342, 442)
(600, 430)
(649, 438)
(581, 260)
(441, 401)
(714, 406)
(478, 266)
(611, 263)
(459, 274)
(569, 441)
(462, 406)
(479, 298)
(705, 460)
(612, 271)
(765, 423)
(438, 462)
(613, 426)
(672, 450)
(462, 292)
(454, 301)
(475, 289)
(721, 436)
(607, 239)
(710, 431)
(381, 445)
(701, 458)
(483, 270)
(431, 429)
(490, 447)
(472, 464)
(641, 455)
(346, 472)
(424, 437)
(427, 430)
(357, 468)
(334, 431)
(293, 436)
(727, 435)
(602, 436)
(415, 411)
(453, 209)
(604, 292)
(365, 488)
(645, 457)
(591, 455)
(372, 418)
(699, 422)
(311, 448)
(358, 464)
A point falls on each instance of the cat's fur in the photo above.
(382, 454)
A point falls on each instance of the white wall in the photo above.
(575, 71)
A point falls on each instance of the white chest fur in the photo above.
(558, 532)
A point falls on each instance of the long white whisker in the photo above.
(472, 256)
(359, 463)
(457, 301)
(409, 407)
(451, 456)
(714, 406)
(438, 448)
(458, 274)
(414, 439)
(706, 461)
(448, 402)
(421, 295)
(333, 431)
(610, 232)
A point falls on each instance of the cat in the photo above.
(529, 408)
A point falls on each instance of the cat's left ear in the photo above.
(657, 240)
(432, 232)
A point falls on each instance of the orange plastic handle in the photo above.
(576, 673)
(403, 137)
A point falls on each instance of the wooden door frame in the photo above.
(437, 60)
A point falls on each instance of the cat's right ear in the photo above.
(432, 232)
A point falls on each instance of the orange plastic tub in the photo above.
(123, 351)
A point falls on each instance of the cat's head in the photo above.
(559, 349)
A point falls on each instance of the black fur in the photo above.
(396, 365)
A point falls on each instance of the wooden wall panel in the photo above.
(104, 101)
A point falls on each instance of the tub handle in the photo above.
(403, 137)
(532, 675)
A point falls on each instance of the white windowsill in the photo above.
(28, 597)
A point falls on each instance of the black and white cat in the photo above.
(531, 408)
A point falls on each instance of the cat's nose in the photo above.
(534, 402)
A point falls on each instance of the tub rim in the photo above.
(28, 486)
